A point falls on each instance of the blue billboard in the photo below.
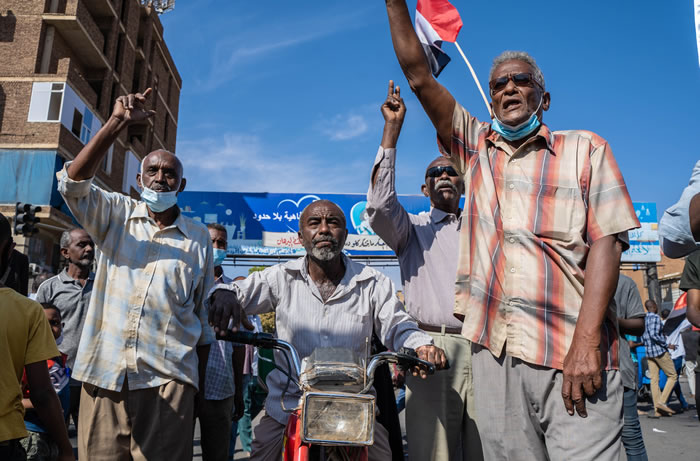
(267, 224)
(644, 242)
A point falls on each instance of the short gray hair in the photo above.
(66, 238)
(520, 56)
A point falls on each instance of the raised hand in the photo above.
(393, 109)
(131, 108)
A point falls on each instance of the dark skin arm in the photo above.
(202, 360)
(694, 213)
(238, 360)
(127, 110)
(693, 310)
(437, 102)
(394, 112)
(46, 404)
(582, 365)
(633, 327)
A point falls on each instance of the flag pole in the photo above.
(476, 80)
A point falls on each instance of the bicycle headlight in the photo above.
(337, 418)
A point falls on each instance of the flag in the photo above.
(697, 26)
(437, 21)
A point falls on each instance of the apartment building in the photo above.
(64, 64)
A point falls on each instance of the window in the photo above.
(86, 128)
(107, 162)
(77, 122)
(46, 102)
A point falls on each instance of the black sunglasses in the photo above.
(520, 79)
(437, 171)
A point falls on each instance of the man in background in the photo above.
(658, 359)
(70, 292)
(438, 421)
(630, 319)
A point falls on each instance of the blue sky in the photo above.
(284, 96)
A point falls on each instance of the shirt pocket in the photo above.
(558, 212)
(349, 330)
(178, 284)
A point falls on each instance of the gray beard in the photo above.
(325, 253)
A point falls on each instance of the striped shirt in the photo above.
(530, 218)
(146, 315)
(364, 301)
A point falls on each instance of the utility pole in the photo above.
(653, 286)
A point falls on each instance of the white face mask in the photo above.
(59, 340)
(158, 201)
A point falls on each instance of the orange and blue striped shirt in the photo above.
(530, 218)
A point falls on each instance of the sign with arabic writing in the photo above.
(644, 242)
(267, 224)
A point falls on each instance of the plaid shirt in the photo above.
(654, 340)
(146, 315)
(530, 217)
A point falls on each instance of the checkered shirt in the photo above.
(146, 315)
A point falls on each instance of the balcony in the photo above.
(78, 28)
(101, 8)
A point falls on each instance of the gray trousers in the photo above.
(521, 416)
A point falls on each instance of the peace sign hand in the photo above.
(131, 108)
(394, 109)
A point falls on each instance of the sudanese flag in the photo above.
(437, 21)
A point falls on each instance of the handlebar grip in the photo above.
(245, 337)
(408, 358)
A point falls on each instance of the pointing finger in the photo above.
(147, 93)
(391, 89)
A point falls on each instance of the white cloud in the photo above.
(235, 162)
(256, 38)
(344, 127)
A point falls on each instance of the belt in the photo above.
(441, 329)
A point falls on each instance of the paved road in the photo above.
(675, 437)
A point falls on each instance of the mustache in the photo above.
(325, 238)
(445, 182)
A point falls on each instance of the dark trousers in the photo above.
(11, 450)
(631, 429)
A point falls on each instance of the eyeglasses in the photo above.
(437, 171)
(520, 79)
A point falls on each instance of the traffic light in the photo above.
(25, 219)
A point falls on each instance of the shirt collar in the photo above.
(141, 212)
(543, 132)
(437, 215)
(354, 272)
(65, 278)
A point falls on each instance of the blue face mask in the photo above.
(513, 133)
(219, 256)
(158, 201)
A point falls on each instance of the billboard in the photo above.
(644, 242)
(267, 224)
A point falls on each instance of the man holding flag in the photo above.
(544, 224)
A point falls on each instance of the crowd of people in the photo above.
(520, 290)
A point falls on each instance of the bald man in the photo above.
(323, 299)
(439, 411)
(145, 341)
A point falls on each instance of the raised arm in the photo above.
(127, 110)
(437, 102)
(386, 215)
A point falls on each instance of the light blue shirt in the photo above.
(676, 237)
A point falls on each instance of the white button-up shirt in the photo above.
(146, 315)
(364, 301)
